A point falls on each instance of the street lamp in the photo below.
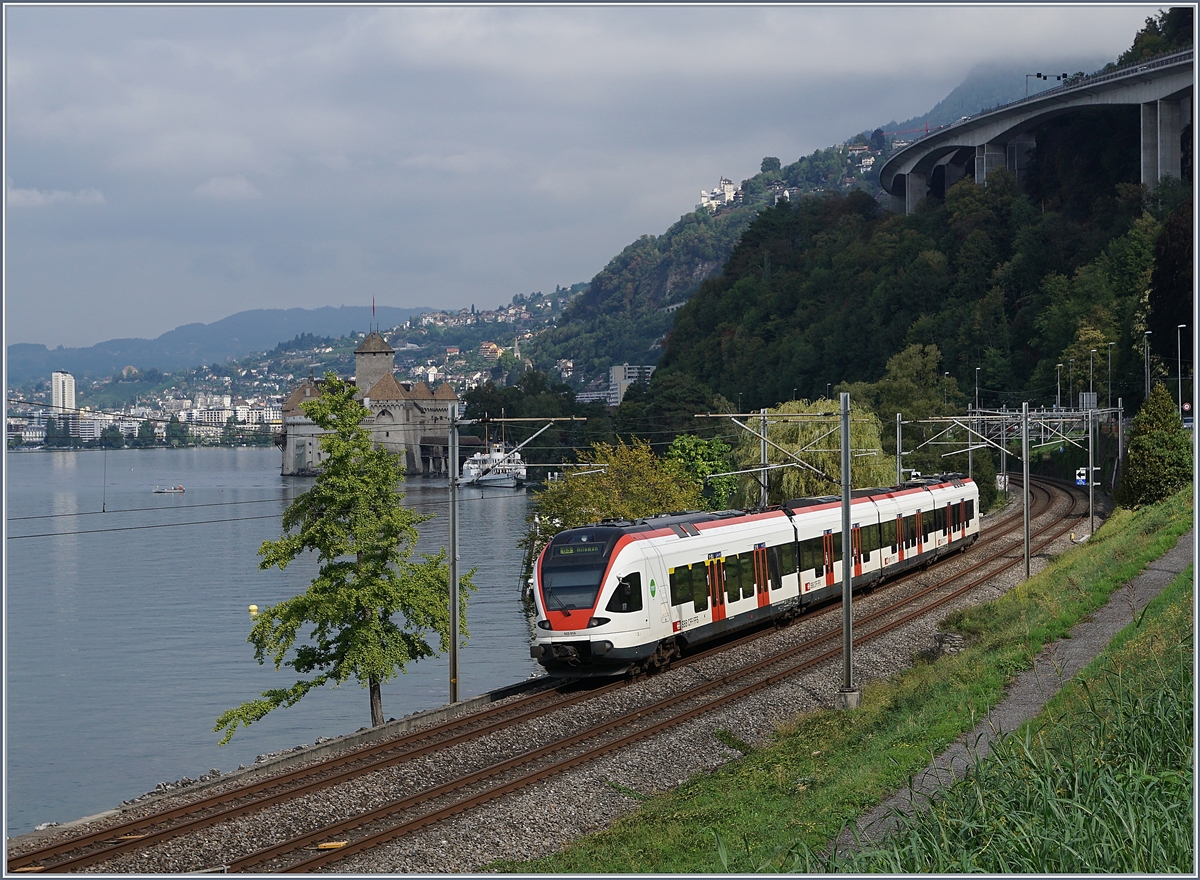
(1146, 341)
(1179, 366)
(1058, 388)
(1110, 345)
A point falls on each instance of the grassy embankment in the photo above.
(779, 806)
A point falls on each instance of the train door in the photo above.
(899, 538)
(762, 576)
(920, 535)
(716, 587)
(827, 550)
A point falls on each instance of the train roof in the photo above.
(681, 518)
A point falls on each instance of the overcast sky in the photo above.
(175, 164)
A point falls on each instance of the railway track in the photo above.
(469, 789)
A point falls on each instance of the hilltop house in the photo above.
(410, 420)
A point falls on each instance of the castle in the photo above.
(408, 419)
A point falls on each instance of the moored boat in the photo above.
(172, 489)
(494, 468)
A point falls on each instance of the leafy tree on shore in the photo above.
(373, 608)
(145, 434)
(1159, 460)
(613, 482)
(177, 432)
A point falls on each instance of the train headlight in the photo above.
(543, 624)
(597, 621)
(601, 648)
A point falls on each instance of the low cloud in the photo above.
(37, 198)
(227, 189)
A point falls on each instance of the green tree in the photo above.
(112, 438)
(813, 438)
(372, 608)
(1159, 461)
(229, 432)
(177, 432)
(701, 458)
(770, 164)
(613, 482)
(145, 434)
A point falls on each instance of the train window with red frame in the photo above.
(628, 595)
(773, 568)
(700, 585)
(812, 556)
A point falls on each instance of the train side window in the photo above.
(837, 546)
(970, 511)
(681, 585)
(733, 578)
(628, 595)
(896, 534)
(773, 567)
(910, 531)
(700, 586)
(812, 556)
(791, 557)
(945, 520)
(927, 525)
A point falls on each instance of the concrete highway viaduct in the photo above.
(1004, 137)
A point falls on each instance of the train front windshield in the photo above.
(570, 589)
(573, 569)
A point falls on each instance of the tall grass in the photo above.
(1101, 782)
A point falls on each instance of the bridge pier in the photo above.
(914, 190)
(988, 157)
(1162, 125)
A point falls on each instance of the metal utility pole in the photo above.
(1004, 449)
(1091, 360)
(850, 696)
(1058, 387)
(1025, 477)
(1071, 385)
(899, 441)
(1146, 346)
(453, 560)
(1110, 345)
(1091, 473)
(1120, 441)
(970, 443)
(1179, 366)
(763, 459)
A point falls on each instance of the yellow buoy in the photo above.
(254, 611)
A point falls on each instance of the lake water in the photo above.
(124, 642)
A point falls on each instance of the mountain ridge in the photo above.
(190, 345)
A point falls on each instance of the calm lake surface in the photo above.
(125, 639)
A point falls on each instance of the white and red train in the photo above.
(623, 595)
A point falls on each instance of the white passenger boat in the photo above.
(164, 489)
(494, 468)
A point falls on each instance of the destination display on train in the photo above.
(578, 549)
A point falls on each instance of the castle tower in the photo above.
(372, 361)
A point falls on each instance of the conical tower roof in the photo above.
(374, 344)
